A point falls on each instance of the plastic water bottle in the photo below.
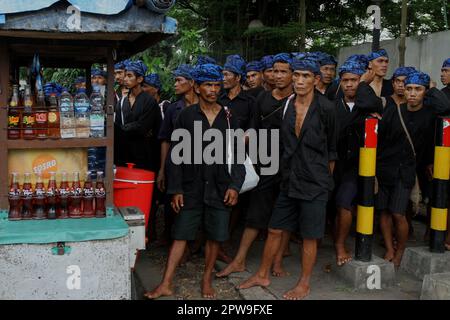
(67, 117)
(97, 117)
(82, 114)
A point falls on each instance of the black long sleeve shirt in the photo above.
(305, 161)
(203, 184)
(395, 157)
(242, 108)
(139, 133)
(350, 124)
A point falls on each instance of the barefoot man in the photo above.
(399, 156)
(308, 136)
(202, 193)
(359, 100)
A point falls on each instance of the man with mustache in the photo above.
(267, 70)
(202, 194)
(379, 63)
(254, 78)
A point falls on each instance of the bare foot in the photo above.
(208, 291)
(298, 293)
(160, 291)
(389, 256)
(254, 281)
(231, 268)
(398, 258)
(342, 255)
(222, 256)
(278, 271)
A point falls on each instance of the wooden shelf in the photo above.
(58, 144)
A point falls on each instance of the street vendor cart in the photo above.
(68, 258)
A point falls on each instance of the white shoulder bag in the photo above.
(251, 177)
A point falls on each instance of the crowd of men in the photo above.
(319, 112)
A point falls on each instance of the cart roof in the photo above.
(118, 24)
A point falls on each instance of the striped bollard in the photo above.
(441, 173)
(366, 188)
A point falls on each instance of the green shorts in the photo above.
(214, 223)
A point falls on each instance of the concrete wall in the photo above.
(427, 53)
(32, 272)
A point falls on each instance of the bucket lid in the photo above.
(131, 174)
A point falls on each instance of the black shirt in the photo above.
(254, 92)
(268, 115)
(350, 124)
(242, 108)
(446, 90)
(305, 160)
(395, 157)
(170, 116)
(139, 134)
(202, 184)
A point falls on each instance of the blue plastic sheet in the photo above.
(106, 7)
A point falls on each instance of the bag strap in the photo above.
(229, 157)
(287, 104)
(406, 131)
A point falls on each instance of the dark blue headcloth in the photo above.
(153, 80)
(267, 62)
(446, 63)
(183, 70)
(98, 72)
(418, 78)
(207, 73)
(205, 60)
(80, 80)
(119, 65)
(138, 67)
(361, 59)
(236, 64)
(352, 66)
(403, 72)
(254, 66)
(306, 64)
(377, 54)
(282, 57)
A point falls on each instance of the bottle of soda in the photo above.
(14, 115)
(51, 196)
(82, 114)
(41, 117)
(28, 118)
(39, 211)
(67, 117)
(75, 197)
(63, 197)
(53, 118)
(14, 198)
(88, 197)
(27, 197)
(100, 196)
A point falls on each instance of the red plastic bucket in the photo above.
(134, 188)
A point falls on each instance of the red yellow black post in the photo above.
(441, 173)
(366, 188)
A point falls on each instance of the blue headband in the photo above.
(298, 55)
(403, 72)
(80, 80)
(306, 65)
(153, 80)
(98, 72)
(236, 64)
(361, 59)
(205, 60)
(282, 57)
(207, 73)
(377, 54)
(446, 63)
(267, 62)
(138, 67)
(352, 66)
(119, 65)
(327, 59)
(183, 70)
(254, 66)
(418, 78)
